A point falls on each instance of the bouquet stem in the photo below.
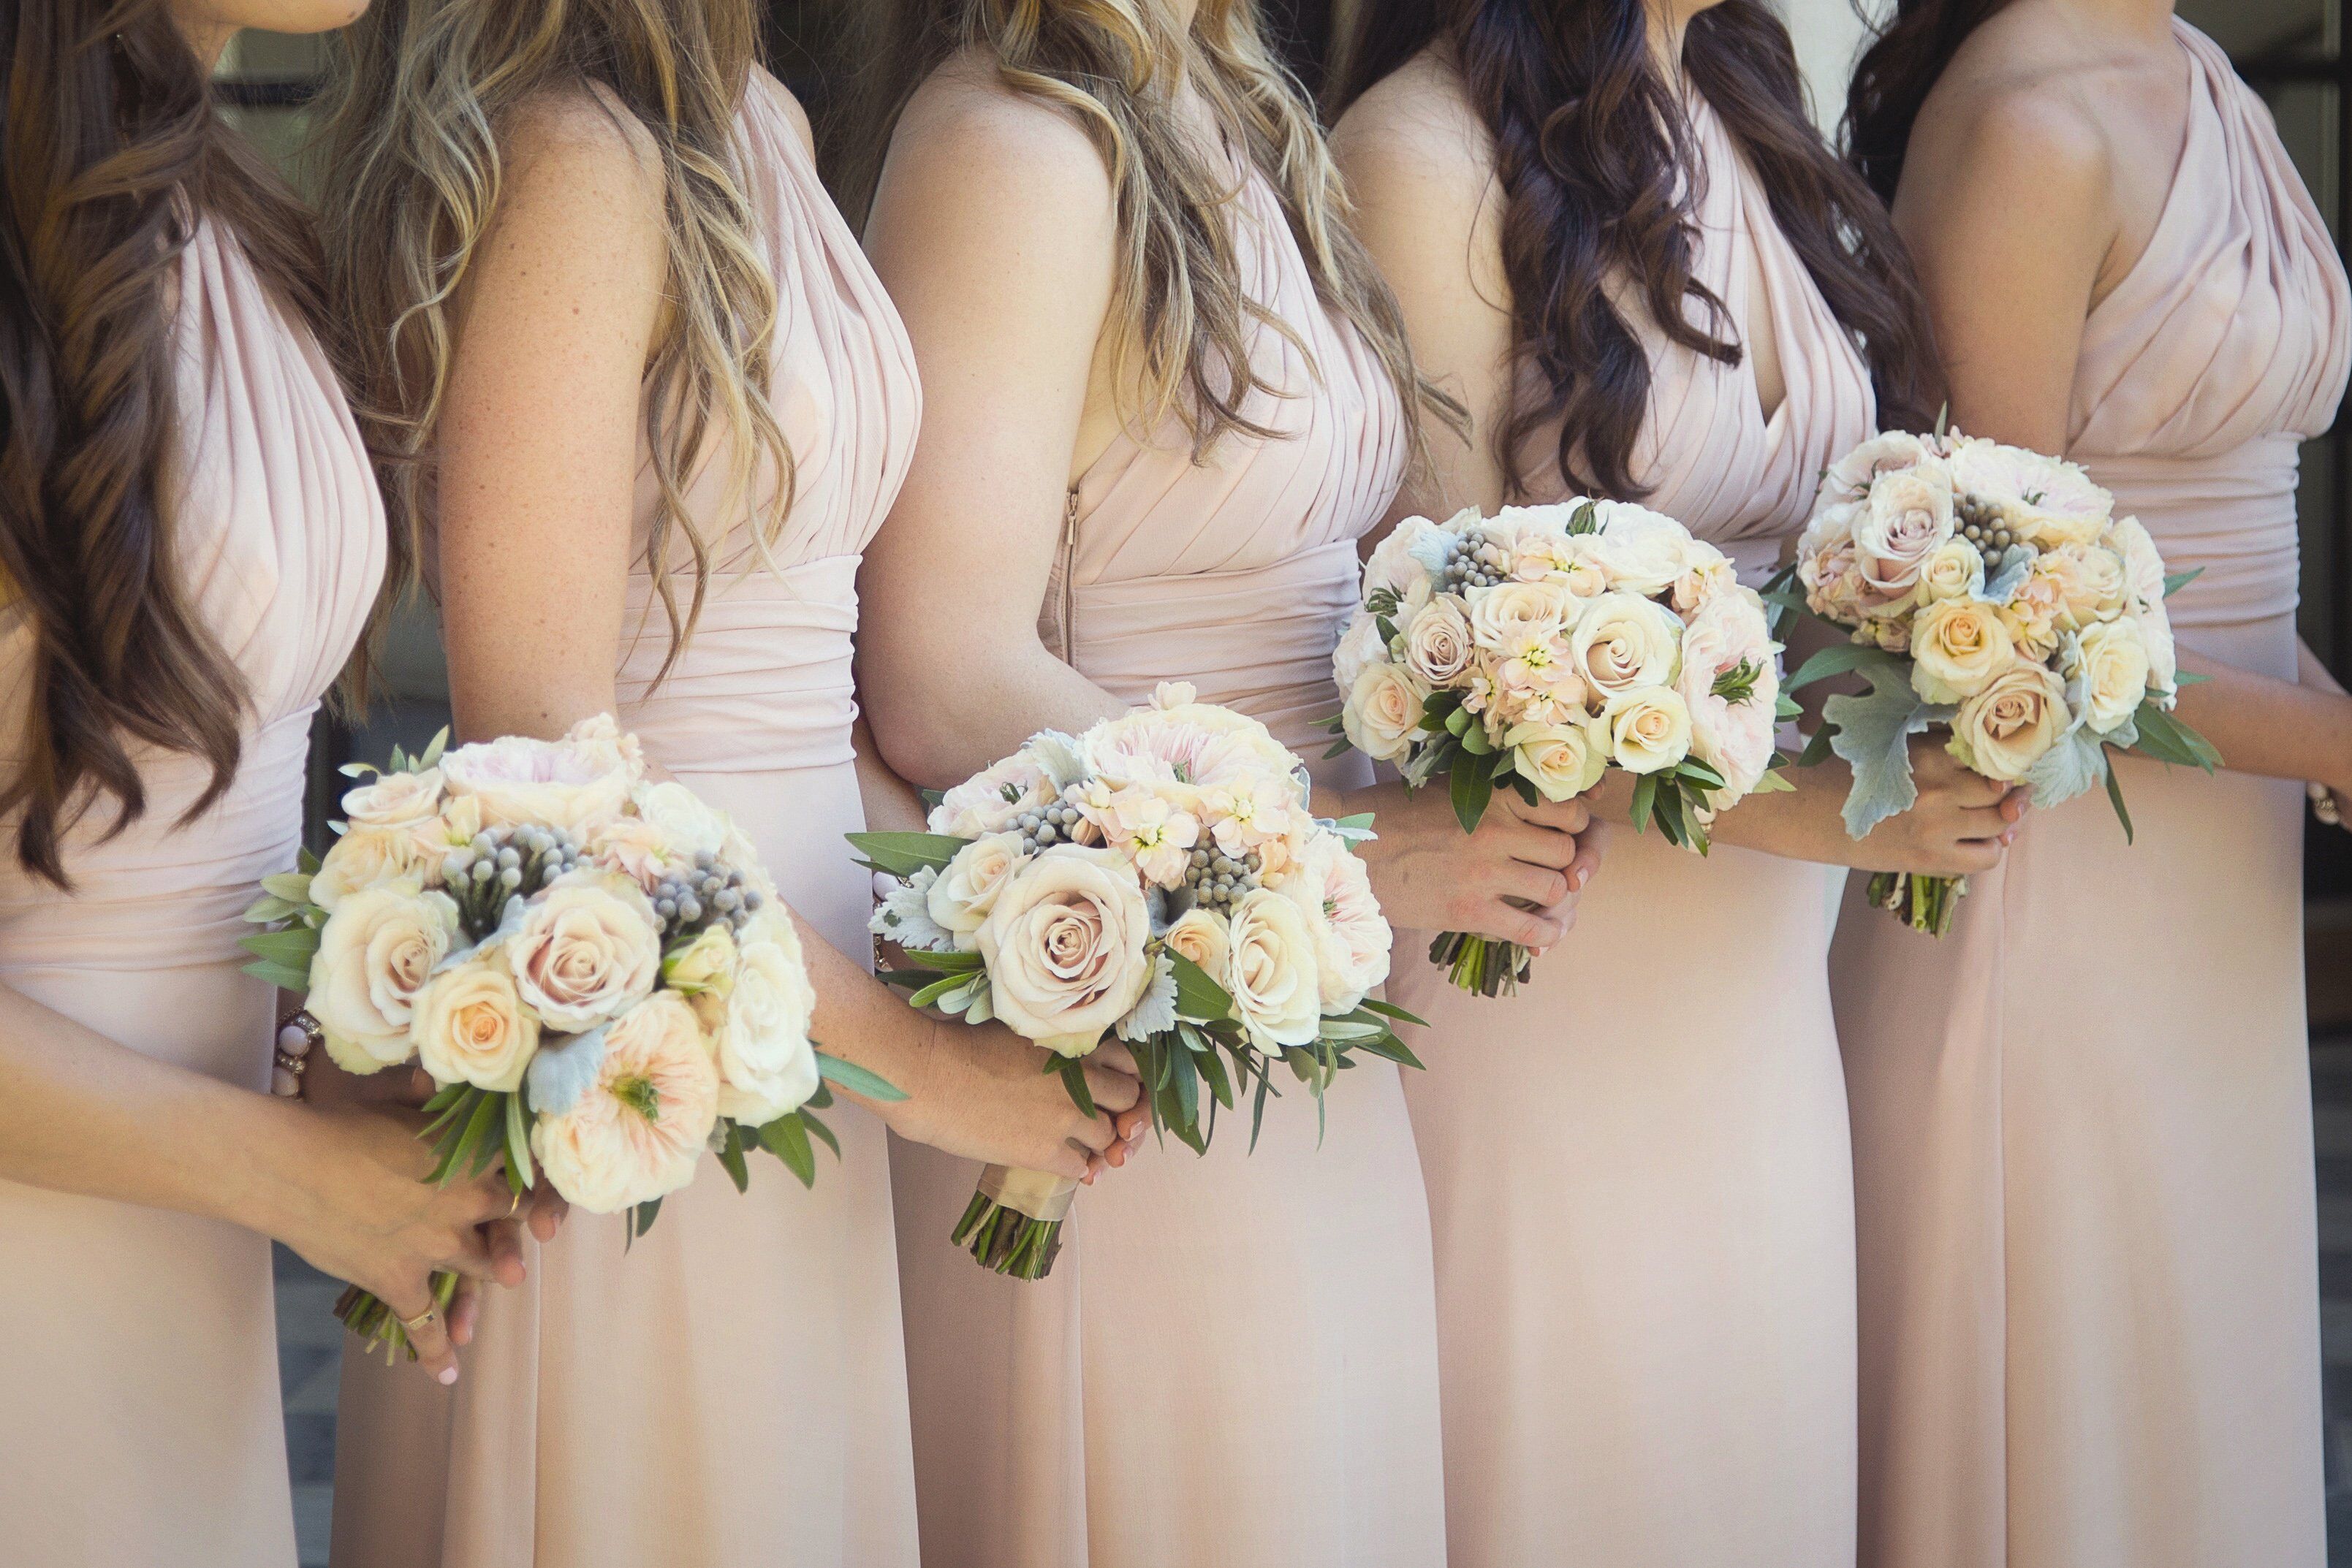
(1013, 1223)
(1481, 964)
(1923, 903)
(377, 1325)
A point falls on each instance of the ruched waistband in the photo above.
(158, 896)
(2232, 515)
(765, 683)
(1259, 641)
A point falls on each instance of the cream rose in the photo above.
(2114, 666)
(372, 857)
(1561, 760)
(576, 786)
(759, 1032)
(964, 893)
(1383, 711)
(1351, 936)
(1649, 729)
(1958, 646)
(1063, 947)
(1623, 642)
(1276, 991)
(1358, 647)
(1437, 645)
(1955, 571)
(1401, 559)
(395, 800)
(1906, 519)
(1201, 935)
(1512, 616)
(704, 964)
(2002, 731)
(635, 1132)
(585, 950)
(376, 953)
(470, 1025)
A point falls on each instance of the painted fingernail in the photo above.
(446, 1375)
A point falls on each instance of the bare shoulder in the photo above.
(969, 140)
(1414, 136)
(579, 138)
(764, 83)
(581, 223)
(2017, 110)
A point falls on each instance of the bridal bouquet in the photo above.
(1540, 647)
(591, 967)
(1160, 878)
(1992, 590)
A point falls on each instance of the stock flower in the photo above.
(1273, 979)
(395, 800)
(1561, 760)
(1383, 712)
(1707, 576)
(960, 899)
(1063, 947)
(1351, 936)
(1201, 935)
(577, 786)
(2003, 730)
(760, 1031)
(1153, 832)
(1624, 641)
(1253, 813)
(366, 857)
(1958, 646)
(470, 1025)
(637, 1132)
(584, 950)
(1649, 729)
(376, 953)
(2111, 661)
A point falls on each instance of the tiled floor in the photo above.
(309, 1341)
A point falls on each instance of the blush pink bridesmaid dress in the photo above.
(732, 1389)
(142, 1422)
(1233, 1360)
(2083, 1120)
(1638, 1168)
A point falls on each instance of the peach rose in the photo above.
(1958, 646)
(1274, 979)
(1649, 729)
(1625, 641)
(395, 800)
(1201, 935)
(2113, 663)
(2003, 730)
(1561, 760)
(1383, 711)
(470, 1025)
(1063, 947)
(586, 949)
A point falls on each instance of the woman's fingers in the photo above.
(1591, 846)
(428, 1335)
(465, 1311)
(1539, 886)
(1095, 1133)
(1570, 817)
(1114, 1054)
(1065, 1159)
(1553, 846)
(545, 1209)
(469, 1254)
(505, 1239)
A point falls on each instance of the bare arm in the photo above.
(539, 452)
(1420, 168)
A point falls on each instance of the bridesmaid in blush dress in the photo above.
(2083, 1118)
(192, 542)
(1233, 1360)
(730, 1389)
(1638, 1166)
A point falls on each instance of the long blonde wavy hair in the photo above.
(418, 94)
(1115, 68)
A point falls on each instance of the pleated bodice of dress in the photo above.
(279, 535)
(2082, 1119)
(1645, 1272)
(1088, 1420)
(731, 1387)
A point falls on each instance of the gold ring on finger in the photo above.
(421, 1321)
(515, 1205)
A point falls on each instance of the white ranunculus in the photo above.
(376, 953)
(1276, 991)
(760, 1031)
(1063, 947)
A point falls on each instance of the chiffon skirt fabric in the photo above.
(1639, 1187)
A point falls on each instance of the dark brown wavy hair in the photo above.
(1598, 171)
(109, 151)
(1902, 64)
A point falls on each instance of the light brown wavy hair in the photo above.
(111, 152)
(419, 93)
(1114, 66)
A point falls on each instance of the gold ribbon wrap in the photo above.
(1033, 1193)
